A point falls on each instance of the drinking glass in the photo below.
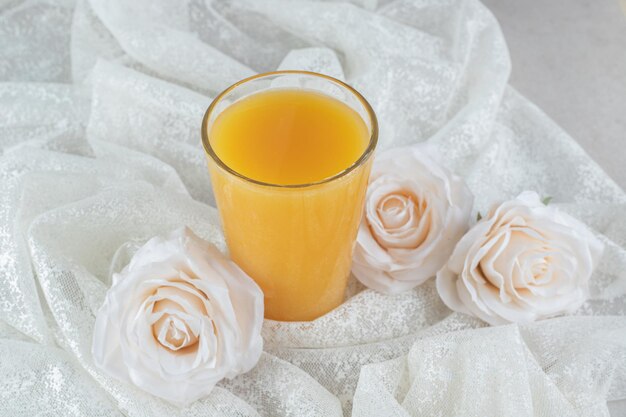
(295, 240)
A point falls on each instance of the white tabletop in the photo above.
(569, 57)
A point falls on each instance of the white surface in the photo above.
(101, 148)
(569, 57)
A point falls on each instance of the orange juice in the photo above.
(289, 170)
(288, 136)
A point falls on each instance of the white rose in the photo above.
(415, 212)
(524, 261)
(178, 319)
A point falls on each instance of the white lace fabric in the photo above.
(101, 105)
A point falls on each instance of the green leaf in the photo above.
(479, 217)
(546, 200)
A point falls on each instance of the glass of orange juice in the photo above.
(289, 154)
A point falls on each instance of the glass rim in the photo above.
(373, 140)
